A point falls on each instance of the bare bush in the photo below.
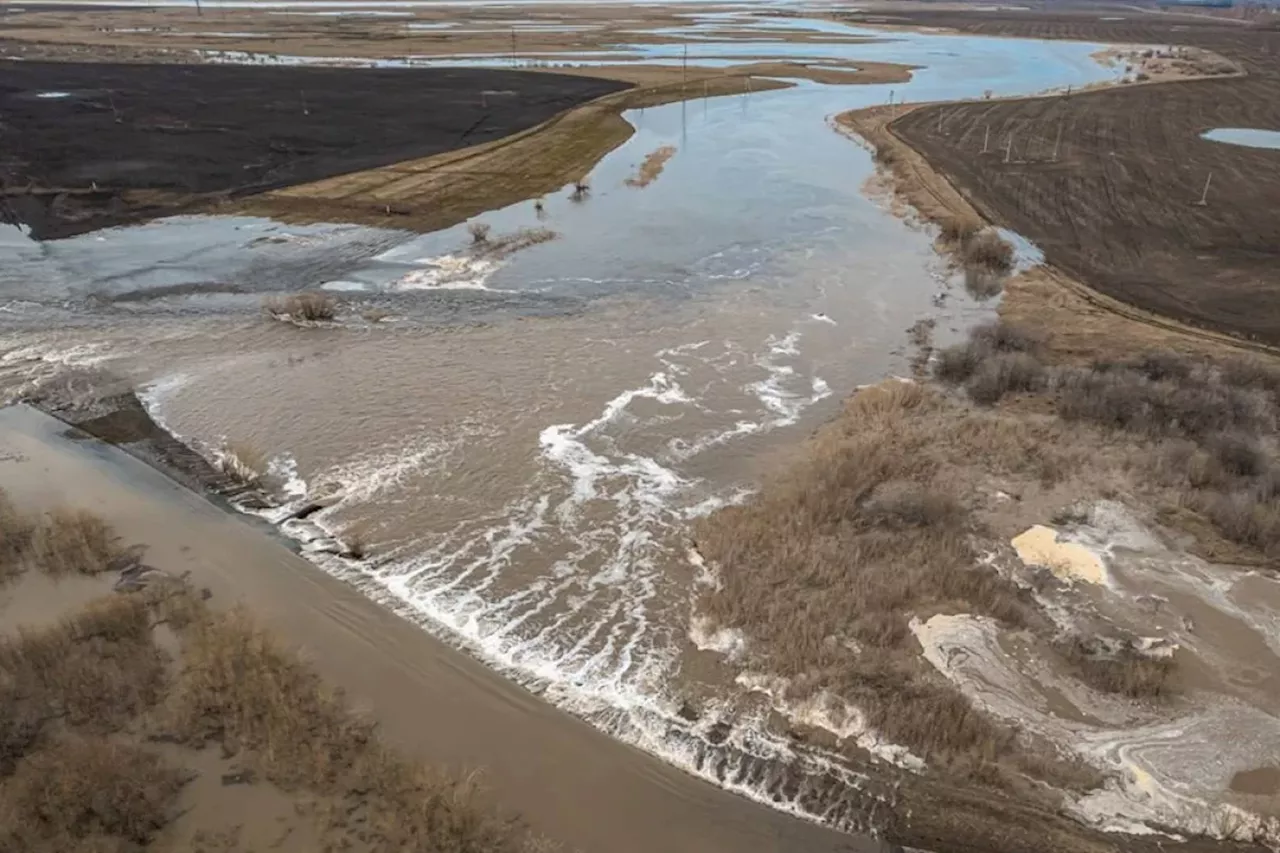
(479, 232)
(79, 789)
(1002, 374)
(959, 230)
(240, 689)
(94, 670)
(16, 529)
(860, 538)
(1122, 670)
(1008, 347)
(988, 250)
(307, 307)
(71, 541)
(1238, 454)
(1251, 373)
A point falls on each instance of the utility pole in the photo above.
(513, 47)
(684, 67)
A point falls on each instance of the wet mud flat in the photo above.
(89, 145)
(1109, 183)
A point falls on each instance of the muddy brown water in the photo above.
(525, 444)
(570, 780)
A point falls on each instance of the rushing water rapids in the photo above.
(524, 444)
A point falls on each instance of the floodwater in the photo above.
(526, 441)
(1248, 136)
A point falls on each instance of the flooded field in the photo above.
(519, 431)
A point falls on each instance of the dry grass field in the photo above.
(1117, 209)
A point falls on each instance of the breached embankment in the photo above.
(567, 779)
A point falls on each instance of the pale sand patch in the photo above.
(1069, 561)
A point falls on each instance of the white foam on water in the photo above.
(567, 589)
(708, 637)
(53, 95)
(773, 391)
(824, 710)
(448, 272)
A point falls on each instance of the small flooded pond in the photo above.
(1250, 137)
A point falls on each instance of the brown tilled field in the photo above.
(1118, 207)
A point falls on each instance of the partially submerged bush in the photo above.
(988, 250)
(242, 461)
(959, 229)
(479, 232)
(1122, 670)
(307, 306)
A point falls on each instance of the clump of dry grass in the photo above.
(1121, 670)
(652, 167)
(93, 671)
(868, 532)
(479, 232)
(306, 307)
(240, 689)
(989, 251)
(959, 230)
(73, 542)
(15, 539)
(87, 794)
(1004, 373)
(1208, 430)
(508, 244)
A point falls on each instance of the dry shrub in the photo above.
(1237, 454)
(959, 229)
(73, 542)
(1002, 374)
(239, 688)
(307, 306)
(1121, 670)
(80, 793)
(1253, 373)
(861, 537)
(94, 670)
(1243, 517)
(1125, 399)
(959, 363)
(988, 250)
(16, 530)
(479, 232)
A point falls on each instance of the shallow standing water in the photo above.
(526, 446)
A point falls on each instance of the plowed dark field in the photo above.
(1118, 207)
(85, 145)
